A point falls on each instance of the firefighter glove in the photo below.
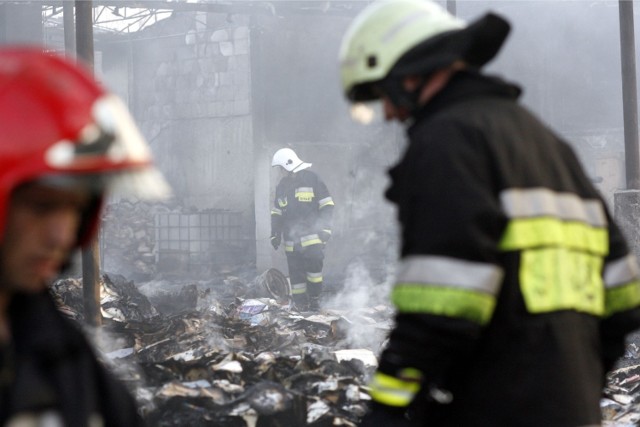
(275, 241)
(325, 235)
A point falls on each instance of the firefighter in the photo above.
(65, 141)
(515, 289)
(301, 215)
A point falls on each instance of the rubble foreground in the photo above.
(230, 354)
(233, 352)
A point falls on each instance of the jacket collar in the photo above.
(463, 86)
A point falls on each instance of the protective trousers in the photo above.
(305, 274)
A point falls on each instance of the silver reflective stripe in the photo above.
(621, 271)
(275, 211)
(445, 271)
(304, 190)
(534, 202)
(326, 201)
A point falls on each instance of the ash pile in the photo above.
(233, 351)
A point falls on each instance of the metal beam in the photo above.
(629, 94)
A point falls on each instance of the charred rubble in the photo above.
(231, 351)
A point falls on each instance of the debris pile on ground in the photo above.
(621, 404)
(233, 352)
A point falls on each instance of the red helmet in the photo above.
(58, 123)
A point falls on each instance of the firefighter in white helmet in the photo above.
(515, 289)
(301, 216)
(65, 143)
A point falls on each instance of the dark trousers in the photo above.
(305, 273)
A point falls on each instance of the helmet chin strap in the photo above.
(393, 88)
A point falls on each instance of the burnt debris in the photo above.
(232, 352)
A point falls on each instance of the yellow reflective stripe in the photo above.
(554, 279)
(444, 301)
(621, 271)
(622, 298)
(275, 211)
(622, 282)
(327, 201)
(288, 246)
(311, 239)
(537, 202)
(525, 233)
(392, 391)
(447, 271)
(298, 288)
(314, 277)
(304, 194)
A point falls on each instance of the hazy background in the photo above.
(217, 87)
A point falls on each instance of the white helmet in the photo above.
(288, 159)
(395, 38)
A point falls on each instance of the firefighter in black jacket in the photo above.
(301, 214)
(515, 289)
(64, 142)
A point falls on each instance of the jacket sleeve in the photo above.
(276, 213)
(449, 275)
(325, 206)
(622, 297)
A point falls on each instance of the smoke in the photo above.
(365, 299)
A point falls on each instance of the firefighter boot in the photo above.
(314, 303)
(301, 302)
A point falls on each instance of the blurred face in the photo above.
(41, 232)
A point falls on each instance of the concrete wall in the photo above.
(191, 95)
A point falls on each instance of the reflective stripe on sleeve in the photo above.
(622, 285)
(327, 201)
(392, 391)
(276, 211)
(458, 303)
(446, 271)
(447, 287)
(621, 271)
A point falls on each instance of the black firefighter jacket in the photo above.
(302, 210)
(50, 368)
(515, 289)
